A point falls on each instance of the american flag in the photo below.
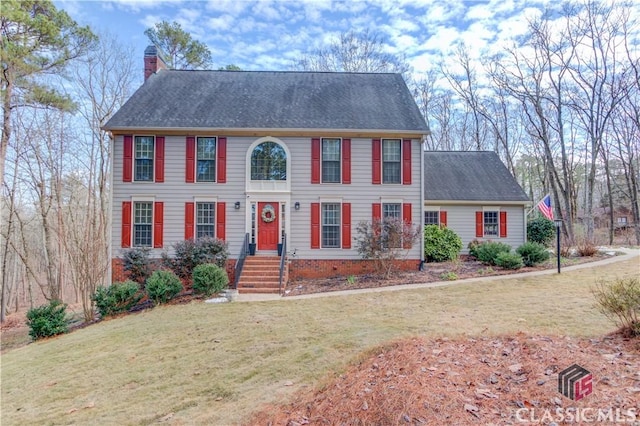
(545, 207)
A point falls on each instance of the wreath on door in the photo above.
(268, 214)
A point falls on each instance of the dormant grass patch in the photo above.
(216, 364)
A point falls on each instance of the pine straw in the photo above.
(469, 381)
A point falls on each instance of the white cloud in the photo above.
(220, 23)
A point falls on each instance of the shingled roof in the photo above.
(172, 99)
(469, 176)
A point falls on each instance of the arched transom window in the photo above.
(268, 162)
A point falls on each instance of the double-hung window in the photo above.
(432, 217)
(205, 219)
(331, 160)
(144, 154)
(393, 234)
(142, 223)
(206, 161)
(391, 160)
(490, 223)
(331, 225)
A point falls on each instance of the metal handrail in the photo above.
(240, 263)
(283, 256)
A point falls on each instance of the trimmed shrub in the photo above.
(472, 246)
(163, 286)
(137, 263)
(488, 251)
(620, 302)
(209, 279)
(533, 253)
(191, 253)
(48, 320)
(509, 260)
(541, 230)
(441, 244)
(117, 298)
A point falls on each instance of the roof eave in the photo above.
(416, 133)
(478, 202)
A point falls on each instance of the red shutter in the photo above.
(315, 160)
(127, 159)
(406, 212)
(189, 217)
(158, 224)
(191, 160)
(503, 224)
(406, 162)
(222, 160)
(315, 225)
(346, 160)
(159, 159)
(221, 220)
(479, 224)
(126, 224)
(376, 157)
(443, 218)
(406, 218)
(376, 211)
(346, 225)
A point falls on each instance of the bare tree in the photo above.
(354, 52)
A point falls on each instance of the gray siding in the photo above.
(462, 220)
(174, 192)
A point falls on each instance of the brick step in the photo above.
(258, 280)
(258, 284)
(265, 290)
(260, 273)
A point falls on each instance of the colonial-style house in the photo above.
(264, 160)
(475, 195)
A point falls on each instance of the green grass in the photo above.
(216, 363)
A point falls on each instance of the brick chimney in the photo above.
(153, 61)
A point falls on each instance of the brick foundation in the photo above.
(298, 268)
(312, 268)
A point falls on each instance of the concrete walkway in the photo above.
(628, 254)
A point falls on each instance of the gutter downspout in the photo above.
(422, 186)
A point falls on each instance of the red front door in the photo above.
(268, 228)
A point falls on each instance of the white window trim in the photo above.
(331, 201)
(197, 200)
(195, 163)
(321, 168)
(489, 209)
(142, 199)
(432, 209)
(382, 160)
(133, 157)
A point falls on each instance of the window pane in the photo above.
(391, 210)
(268, 162)
(142, 219)
(144, 158)
(391, 156)
(491, 224)
(331, 225)
(205, 220)
(331, 160)
(432, 218)
(206, 165)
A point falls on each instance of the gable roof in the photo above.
(469, 176)
(173, 99)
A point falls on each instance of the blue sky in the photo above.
(270, 34)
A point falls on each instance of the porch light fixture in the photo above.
(297, 205)
(237, 205)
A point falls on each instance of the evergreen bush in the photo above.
(509, 260)
(190, 253)
(533, 253)
(441, 244)
(163, 286)
(117, 298)
(488, 251)
(48, 320)
(541, 230)
(209, 279)
(137, 263)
